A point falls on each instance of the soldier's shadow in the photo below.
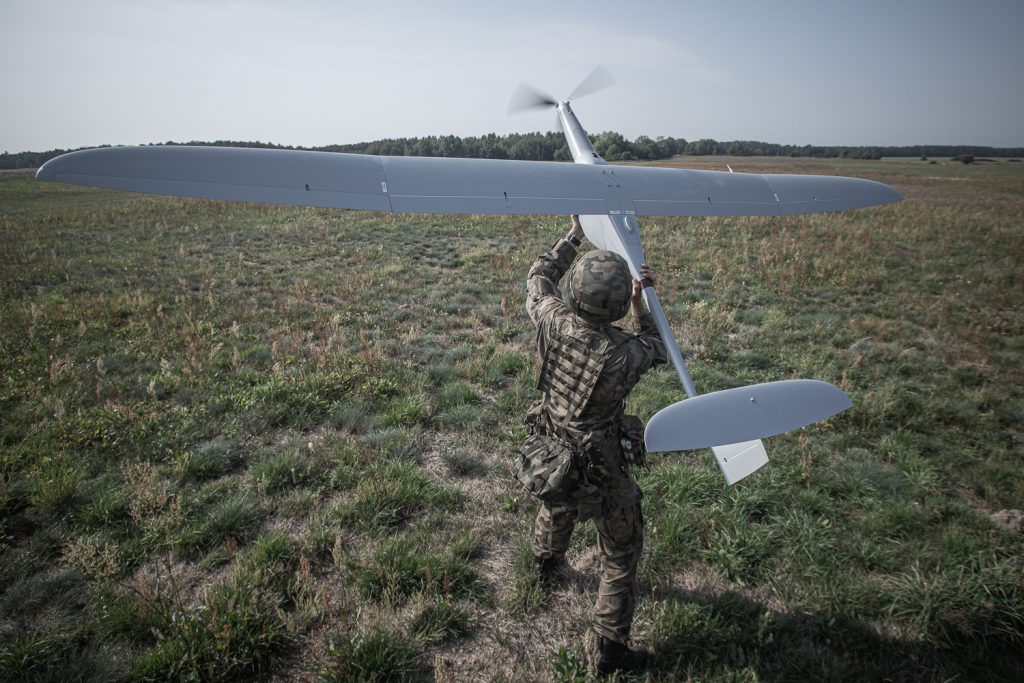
(584, 580)
(702, 635)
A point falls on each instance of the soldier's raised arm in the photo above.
(645, 328)
(545, 273)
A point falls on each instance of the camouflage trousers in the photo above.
(620, 541)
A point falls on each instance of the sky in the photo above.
(311, 72)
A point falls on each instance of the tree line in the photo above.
(551, 146)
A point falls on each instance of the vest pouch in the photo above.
(551, 471)
(535, 417)
(631, 438)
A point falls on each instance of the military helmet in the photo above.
(598, 286)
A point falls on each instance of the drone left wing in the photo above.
(335, 180)
(448, 185)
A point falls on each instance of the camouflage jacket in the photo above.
(593, 367)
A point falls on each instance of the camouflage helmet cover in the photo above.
(598, 286)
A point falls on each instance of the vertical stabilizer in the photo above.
(737, 460)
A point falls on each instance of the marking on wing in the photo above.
(384, 185)
(618, 198)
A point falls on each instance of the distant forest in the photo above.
(551, 147)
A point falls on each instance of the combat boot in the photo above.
(548, 568)
(618, 657)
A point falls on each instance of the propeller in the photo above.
(528, 97)
(598, 79)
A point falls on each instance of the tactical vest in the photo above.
(572, 358)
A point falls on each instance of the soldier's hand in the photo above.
(647, 279)
(577, 228)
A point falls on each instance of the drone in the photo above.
(608, 199)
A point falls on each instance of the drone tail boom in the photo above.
(732, 422)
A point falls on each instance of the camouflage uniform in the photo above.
(587, 372)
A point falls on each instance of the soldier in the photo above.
(582, 440)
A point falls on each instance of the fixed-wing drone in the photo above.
(609, 200)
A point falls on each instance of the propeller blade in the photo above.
(599, 79)
(527, 97)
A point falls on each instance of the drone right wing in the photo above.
(685, 192)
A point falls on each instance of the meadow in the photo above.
(251, 442)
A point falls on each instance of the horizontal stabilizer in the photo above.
(743, 414)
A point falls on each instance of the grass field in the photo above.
(240, 441)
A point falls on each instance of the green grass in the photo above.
(234, 633)
(372, 658)
(404, 567)
(440, 621)
(244, 441)
(281, 471)
(393, 494)
(210, 460)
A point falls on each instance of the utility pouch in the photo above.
(533, 417)
(631, 437)
(551, 471)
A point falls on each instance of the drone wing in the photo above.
(684, 192)
(448, 185)
(233, 173)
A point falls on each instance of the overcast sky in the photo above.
(310, 72)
